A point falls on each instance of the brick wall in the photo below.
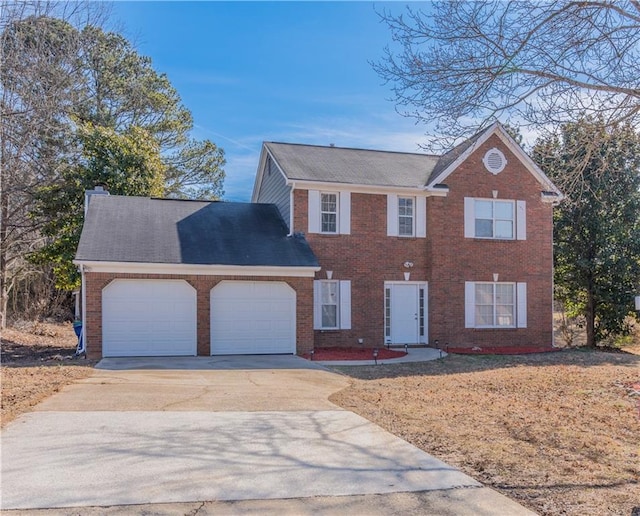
(367, 257)
(445, 259)
(95, 282)
(456, 259)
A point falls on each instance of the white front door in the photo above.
(406, 313)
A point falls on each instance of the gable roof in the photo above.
(167, 231)
(352, 166)
(299, 162)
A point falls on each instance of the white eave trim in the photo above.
(367, 189)
(496, 128)
(199, 270)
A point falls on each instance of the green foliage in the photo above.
(127, 164)
(94, 111)
(597, 227)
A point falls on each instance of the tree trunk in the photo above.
(590, 314)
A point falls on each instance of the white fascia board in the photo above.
(196, 270)
(496, 128)
(356, 188)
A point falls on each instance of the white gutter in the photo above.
(84, 308)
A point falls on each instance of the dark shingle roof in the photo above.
(352, 166)
(450, 156)
(140, 229)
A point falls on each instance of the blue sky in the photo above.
(275, 71)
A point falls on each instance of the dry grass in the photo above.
(558, 432)
(37, 361)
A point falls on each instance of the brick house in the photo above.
(378, 248)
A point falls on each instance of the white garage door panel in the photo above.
(253, 317)
(148, 318)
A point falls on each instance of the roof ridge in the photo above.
(355, 149)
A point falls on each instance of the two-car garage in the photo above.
(157, 317)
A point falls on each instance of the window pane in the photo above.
(405, 226)
(503, 210)
(504, 315)
(504, 294)
(405, 206)
(504, 229)
(484, 294)
(329, 223)
(484, 315)
(484, 210)
(329, 316)
(329, 202)
(484, 228)
(329, 292)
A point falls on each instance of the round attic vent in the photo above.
(494, 161)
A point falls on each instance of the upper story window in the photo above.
(406, 216)
(329, 212)
(497, 219)
(494, 219)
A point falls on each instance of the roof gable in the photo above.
(144, 230)
(341, 165)
(452, 159)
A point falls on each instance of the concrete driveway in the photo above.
(246, 433)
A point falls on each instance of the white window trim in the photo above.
(519, 306)
(343, 212)
(519, 219)
(413, 215)
(419, 215)
(336, 213)
(343, 303)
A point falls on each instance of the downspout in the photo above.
(84, 307)
(293, 187)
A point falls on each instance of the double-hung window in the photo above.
(329, 304)
(497, 219)
(406, 216)
(494, 219)
(495, 305)
(332, 305)
(329, 212)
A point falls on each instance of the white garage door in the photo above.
(253, 317)
(148, 318)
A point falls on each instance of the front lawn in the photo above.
(558, 432)
(37, 361)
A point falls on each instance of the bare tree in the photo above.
(38, 81)
(463, 64)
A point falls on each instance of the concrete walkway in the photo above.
(413, 355)
(248, 437)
